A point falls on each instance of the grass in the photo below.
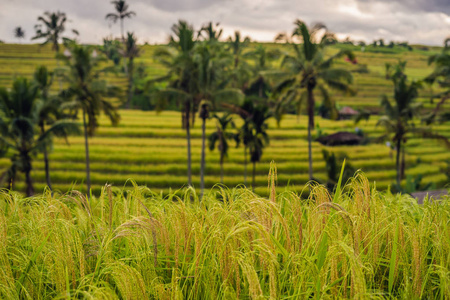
(132, 243)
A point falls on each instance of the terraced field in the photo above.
(151, 148)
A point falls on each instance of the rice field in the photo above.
(150, 148)
(154, 154)
(133, 243)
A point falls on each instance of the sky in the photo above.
(416, 21)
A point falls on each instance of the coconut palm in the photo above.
(178, 58)
(203, 115)
(221, 136)
(210, 32)
(122, 12)
(198, 72)
(52, 27)
(258, 85)
(242, 72)
(131, 51)
(19, 119)
(49, 112)
(398, 119)
(86, 92)
(307, 69)
(19, 33)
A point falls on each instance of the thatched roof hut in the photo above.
(347, 113)
(340, 138)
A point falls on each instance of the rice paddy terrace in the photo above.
(150, 148)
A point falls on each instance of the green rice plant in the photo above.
(133, 243)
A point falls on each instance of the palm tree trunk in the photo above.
(254, 174)
(86, 147)
(221, 168)
(46, 164)
(188, 139)
(310, 128)
(310, 166)
(59, 78)
(29, 182)
(402, 164)
(130, 83)
(397, 162)
(245, 165)
(121, 28)
(202, 163)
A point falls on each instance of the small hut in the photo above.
(347, 113)
(340, 138)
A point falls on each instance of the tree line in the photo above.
(205, 75)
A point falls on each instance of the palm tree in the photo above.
(86, 93)
(52, 27)
(221, 136)
(241, 70)
(49, 111)
(253, 132)
(398, 120)
(178, 58)
(19, 33)
(122, 13)
(198, 72)
(258, 138)
(131, 51)
(203, 115)
(210, 32)
(19, 118)
(307, 70)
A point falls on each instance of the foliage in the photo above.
(133, 243)
(20, 115)
(122, 12)
(398, 120)
(52, 27)
(19, 32)
(221, 136)
(307, 70)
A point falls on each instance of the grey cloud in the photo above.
(415, 5)
(418, 21)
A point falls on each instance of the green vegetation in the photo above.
(196, 67)
(135, 244)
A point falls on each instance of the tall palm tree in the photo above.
(241, 70)
(122, 12)
(131, 51)
(308, 69)
(19, 33)
(221, 136)
(178, 58)
(49, 111)
(210, 32)
(262, 58)
(52, 27)
(19, 119)
(86, 93)
(203, 115)
(198, 72)
(398, 120)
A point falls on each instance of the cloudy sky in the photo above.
(417, 21)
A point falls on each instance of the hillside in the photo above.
(151, 149)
